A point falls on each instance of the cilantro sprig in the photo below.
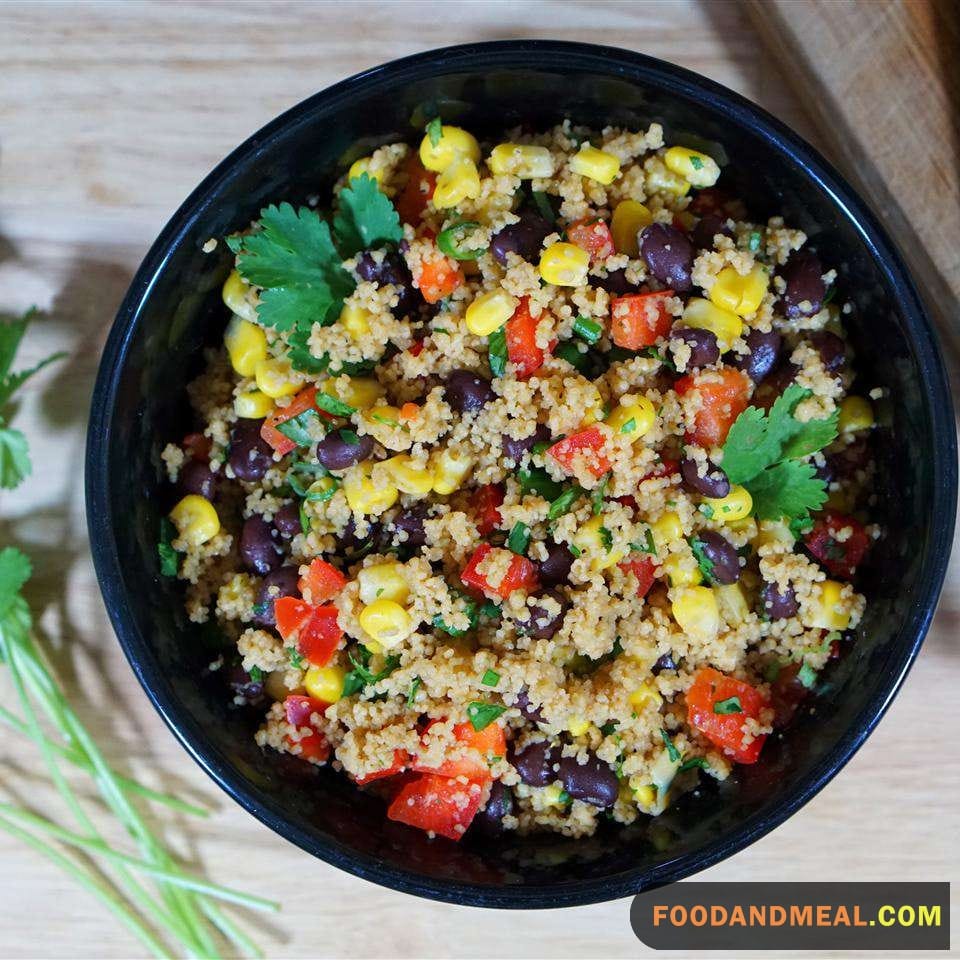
(764, 452)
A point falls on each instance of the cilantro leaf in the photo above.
(299, 352)
(789, 489)
(15, 570)
(292, 257)
(497, 352)
(169, 558)
(481, 714)
(15, 463)
(811, 436)
(11, 333)
(366, 217)
(434, 130)
(750, 446)
(334, 405)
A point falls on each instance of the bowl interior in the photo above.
(174, 308)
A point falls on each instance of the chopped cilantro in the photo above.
(753, 243)
(730, 705)
(807, 676)
(696, 162)
(629, 426)
(703, 561)
(596, 497)
(297, 428)
(412, 694)
(606, 538)
(544, 207)
(569, 351)
(609, 727)
(349, 437)
(539, 482)
(497, 352)
(587, 329)
(560, 505)
(574, 549)
(169, 558)
(386, 421)
(647, 547)
(361, 677)
(304, 520)
(296, 660)
(366, 218)
(255, 674)
(434, 130)
(519, 538)
(672, 752)
(481, 715)
(692, 763)
(490, 678)
(333, 405)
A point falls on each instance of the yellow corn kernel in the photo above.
(629, 218)
(236, 295)
(695, 610)
(736, 505)
(661, 180)
(253, 405)
(746, 528)
(246, 345)
(590, 540)
(383, 581)
(460, 181)
(276, 378)
(360, 392)
(551, 795)
(363, 495)
(732, 602)
(325, 683)
(373, 647)
(577, 726)
(453, 144)
(360, 167)
(410, 475)
(595, 164)
(682, 569)
(739, 294)
(489, 312)
(521, 160)
(667, 529)
(450, 469)
(704, 315)
(196, 519)
(773, 532)
(565, 265)
(692, 165)
(828, 610)
(644, 793)
(355, 320)
(856, 413)
(594, 407)
(644, 694)
(633, 421)
(386, 622)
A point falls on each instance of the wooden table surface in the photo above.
(109, 115)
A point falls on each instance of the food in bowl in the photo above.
(526, 484)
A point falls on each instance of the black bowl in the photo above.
(172, 309)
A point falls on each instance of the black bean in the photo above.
(489, 821)
(849, 461)
(243, 685)
(391, 269)
(721, 555)
(336, 453)
(787, 694)
(780, 379)
(535, 763)
(276, 584)
(196, 477)
(763, 351)
(524, 238)
(410, 521)
(707, 228)
(250, 455)
(713, 483)
(539, 622)
(614, 282)
(593, 781)
(777, 605)
(259, 549)
(287, 521)
(349, 544)
(529, 711)
(467, 392)
(556, 568)
(703, 345)
(803, 274)
(832, 349)
(515, 449)
(668, 254)
(666, 662)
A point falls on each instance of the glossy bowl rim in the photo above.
(516, 54)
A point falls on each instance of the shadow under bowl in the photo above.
(173, 309)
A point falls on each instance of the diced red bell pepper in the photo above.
(521, 574)
(724, 395)
(667, 467)
(593, 235)
(488, 500)
(416, 348)
(491, 741)
(640, 319)
(298, 710)
(400, 760)
(787, 693)
(302, 402)
(320, 636)
(711, 687)
(417, 192)
(588, 446)
(840, 557)
(323, 580)
(437, 277)
(521, 337)
(708, 200)
(641, 565)
(197, 446)
(291, 614)
(438, 804)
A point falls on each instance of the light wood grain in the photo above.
(109, 115)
